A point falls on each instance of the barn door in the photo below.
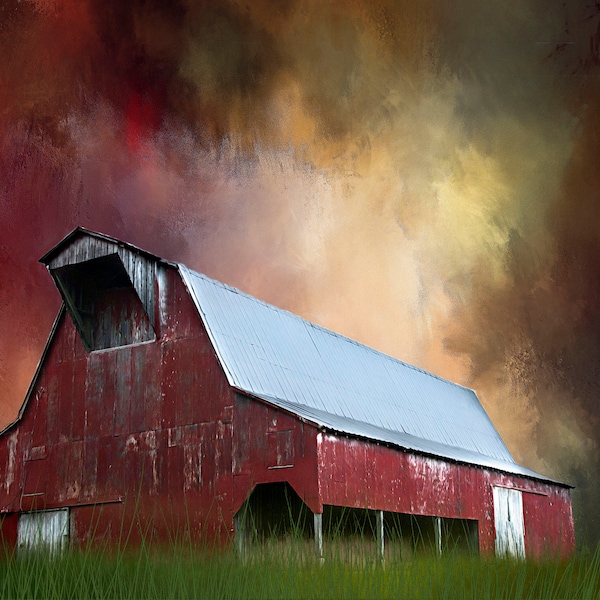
(43, 530)
(508, 517)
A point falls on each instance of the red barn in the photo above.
(167, 402)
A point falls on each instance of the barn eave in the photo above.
(520, 472)
(38, 370)
(400, 441)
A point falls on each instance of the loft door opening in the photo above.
(103, 303)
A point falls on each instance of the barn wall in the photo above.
(132, 433)
(366, 475)
(270, 445)
(549, 527)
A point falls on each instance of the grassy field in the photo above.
(187, 573)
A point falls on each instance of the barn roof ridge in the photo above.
(74, 233)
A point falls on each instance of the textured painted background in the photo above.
(420, 175)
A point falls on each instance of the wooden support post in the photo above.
(240, 532)
(318, 526)
(380, 538)
(438, 534)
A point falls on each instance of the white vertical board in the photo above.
(380, 537)
(508, 518)
(318, 527)
(43, 530)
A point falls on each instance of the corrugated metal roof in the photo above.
(340, 384)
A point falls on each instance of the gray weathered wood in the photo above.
(380, 537)
(318, 526)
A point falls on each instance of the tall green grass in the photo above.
(269, 572)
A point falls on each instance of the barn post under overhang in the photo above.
(380, 537)
(318, 527)
(241, 533)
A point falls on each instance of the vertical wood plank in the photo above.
(318, 528)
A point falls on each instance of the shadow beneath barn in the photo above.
(350, 535)
(275, 520)
(410, 536)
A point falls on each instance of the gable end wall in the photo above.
(144, 429)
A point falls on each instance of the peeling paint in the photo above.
(11, 441)
(356, 473)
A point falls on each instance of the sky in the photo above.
(422, 176)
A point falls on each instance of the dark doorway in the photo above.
(274, 518)
(350, 535)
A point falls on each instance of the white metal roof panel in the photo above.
(346, 386)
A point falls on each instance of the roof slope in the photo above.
(340, 384)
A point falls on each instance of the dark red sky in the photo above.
(420, 175)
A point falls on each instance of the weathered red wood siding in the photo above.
(144, 428)
(271, 446)
(549, 528)
(366, 475)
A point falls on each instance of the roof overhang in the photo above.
(401, 441)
